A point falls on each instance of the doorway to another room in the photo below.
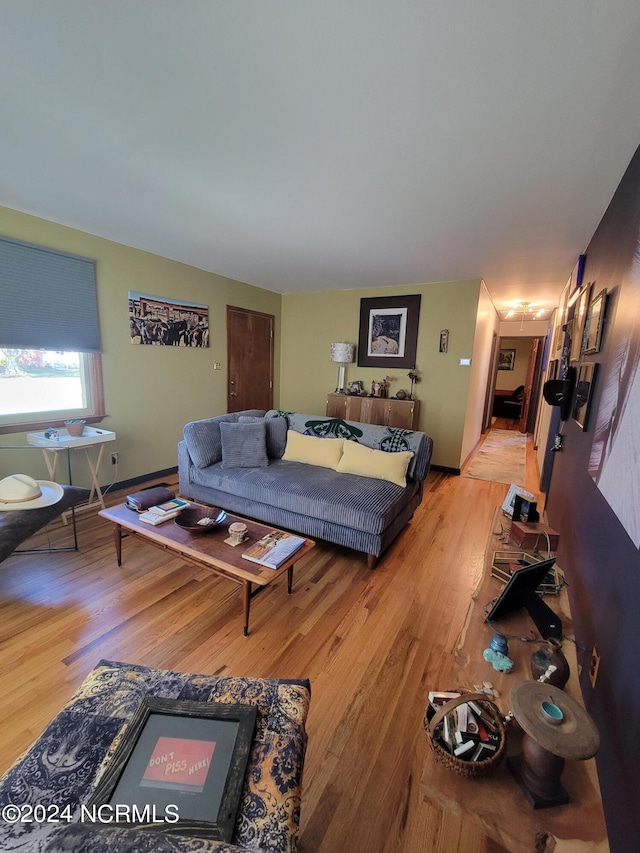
(517, 383)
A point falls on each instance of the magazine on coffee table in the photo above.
(274, 548)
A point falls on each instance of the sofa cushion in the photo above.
(361, 503)
(203, 437)
(389, 439)
(365, 462)
(203, 440)
(276, 433)
(244, 445)
(325, 452)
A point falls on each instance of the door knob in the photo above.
(232, 394)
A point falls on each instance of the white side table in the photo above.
(91, 438)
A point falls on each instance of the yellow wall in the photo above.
(487, 325)
(150, 392)
(311, 322)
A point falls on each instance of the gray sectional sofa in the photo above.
(359, 512)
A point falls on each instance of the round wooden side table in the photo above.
(555, 728)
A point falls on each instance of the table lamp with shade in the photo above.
(342, 354)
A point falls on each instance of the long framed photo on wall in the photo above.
(158, 321)
(388, 331)
(592, 336)
(580, 303)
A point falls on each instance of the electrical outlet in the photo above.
(594, 666)
(115, 458)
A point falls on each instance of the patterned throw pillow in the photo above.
(243, 445)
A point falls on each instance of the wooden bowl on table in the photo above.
(201, 519)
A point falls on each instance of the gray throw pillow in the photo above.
(276, 436)
(203, 441)
(276, 433)
(243, 445)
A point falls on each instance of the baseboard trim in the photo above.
(446, 469)
(134, 481)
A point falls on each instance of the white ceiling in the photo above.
(326, 145)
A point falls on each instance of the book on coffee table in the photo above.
(155, 518)
(168, 507)
(274, 549)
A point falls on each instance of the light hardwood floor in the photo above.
(371, 642)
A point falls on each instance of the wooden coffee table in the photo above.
(207, 550)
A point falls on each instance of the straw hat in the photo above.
(19, 491)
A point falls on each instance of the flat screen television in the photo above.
(520, 591)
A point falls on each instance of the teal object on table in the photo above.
(500, 662)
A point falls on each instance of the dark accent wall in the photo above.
(600, 560)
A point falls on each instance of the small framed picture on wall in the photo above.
(507, 359)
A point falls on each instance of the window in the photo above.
(50, 367)
(45, 387)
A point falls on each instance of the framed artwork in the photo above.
(167, 322)
(507, 359)
(509, 502)
(444, 340)
(580, 304)
(579, 270)
(180, 767)
(583, 394)
(388, 331)
(561, 320)
(594, 324)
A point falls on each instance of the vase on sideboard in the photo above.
(551, 654)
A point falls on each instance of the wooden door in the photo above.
(249, 359)
(491, 384)
(528, 384)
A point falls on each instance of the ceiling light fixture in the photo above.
(524, 309)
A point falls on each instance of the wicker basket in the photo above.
(468, 769)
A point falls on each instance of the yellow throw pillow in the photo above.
(361, 460)
(325, 452)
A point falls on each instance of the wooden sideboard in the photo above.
(403, 414)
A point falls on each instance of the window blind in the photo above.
(48, 299)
